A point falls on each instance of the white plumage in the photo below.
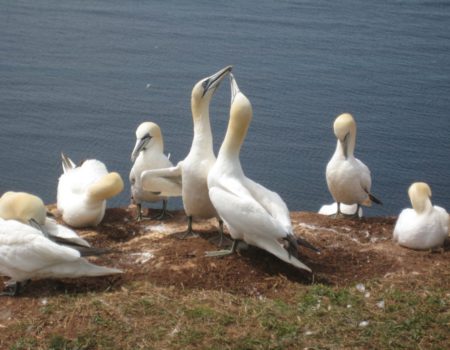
(251, 212)
(148, 154)
(348, 179)
(26, 254)
(30, 209)
(193, 170)
(424, 226)
(83, 191)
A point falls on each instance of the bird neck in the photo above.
(421, 205)
(202, 128)
(349, 145)
(234, 138)
(157, 145)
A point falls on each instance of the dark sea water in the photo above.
(79, 77)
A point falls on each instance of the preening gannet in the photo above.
(26, 253)
(424, 226)
(348, 178)
(30, 209)
(194, 169)
(148, 154)
(251, 212)
(83, 191)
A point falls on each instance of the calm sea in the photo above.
(79, 76)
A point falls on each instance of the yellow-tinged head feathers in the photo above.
(204, 89)
(343, 125)
(108, 186)
(420, 194)
(241, 113)
(148, 128)
(23, 207)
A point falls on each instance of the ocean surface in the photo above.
(80, 76)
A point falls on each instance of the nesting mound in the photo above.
(351, 251)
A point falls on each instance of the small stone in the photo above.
(380, 304)
(360, 288)
(363, 323)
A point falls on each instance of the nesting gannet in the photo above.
(83, 191)
(194, 169)
(25, 253)
(331, 209)
(348, 178)
(30, 209)
(251, 212)
(424, 226)
(148, 153)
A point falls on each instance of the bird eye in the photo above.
(205, 83)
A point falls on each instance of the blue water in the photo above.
(79, 76)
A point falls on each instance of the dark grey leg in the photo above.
(224, 252)
(164, 213)
(14, 290)
(139, 212)
(189, 229)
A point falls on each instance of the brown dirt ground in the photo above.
(352, 251)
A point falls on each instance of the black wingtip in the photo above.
(375, 199)
(306, 244)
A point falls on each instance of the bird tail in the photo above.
(375, 199)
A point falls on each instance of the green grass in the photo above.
(316, 317)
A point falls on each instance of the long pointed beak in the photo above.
(37, 226)
(234, 87)
(345, 144)
(214, 80)
(138, 147)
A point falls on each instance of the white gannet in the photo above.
(148, 154)
(83, 191)
(251, 212)
(348, 178)
(25, 253)
(331, 209)
(30, 209)
(194, 169)
(424, 226)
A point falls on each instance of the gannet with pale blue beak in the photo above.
(251, 212)
(28, 252)
(193, 170)
(348, 178)
(424, 226)
(148, 154)
(83, 191)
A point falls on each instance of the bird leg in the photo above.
(12, 289)
(138, 217)
(338, 211)
(356, 214)
(220, 240)
(224, 252)
(164, 213)
(189, 231)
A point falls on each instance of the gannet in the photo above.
(25, 253)
(194, 169)
(348, 178)
(30, 209)
(424, 226)
(83, 191)
(331, 209)
(148, 153)
(251, 212)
